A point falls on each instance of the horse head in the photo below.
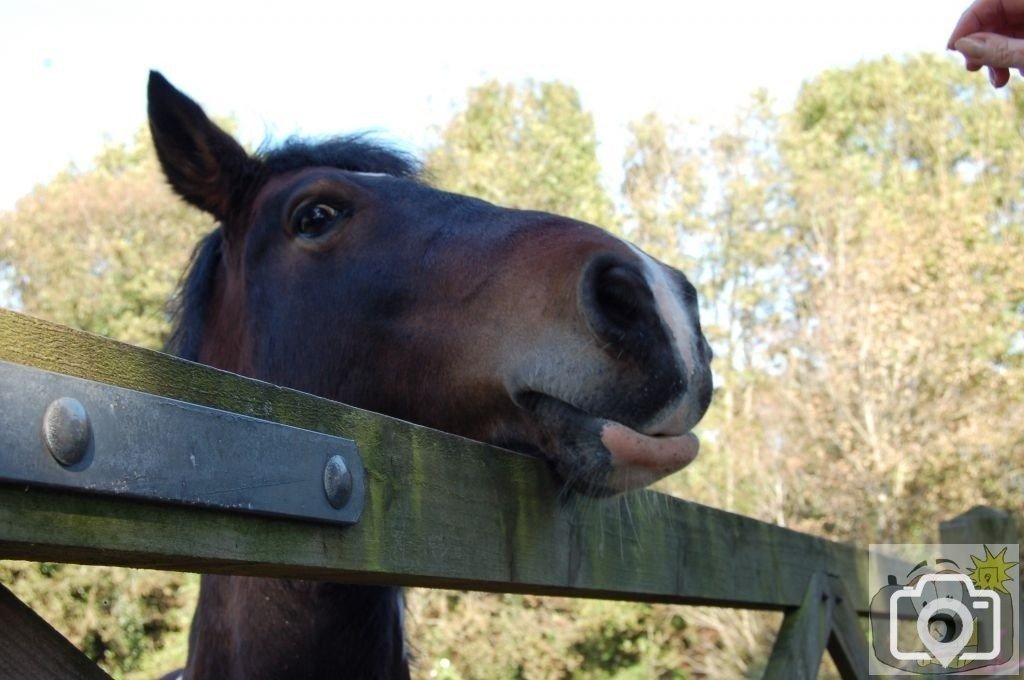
(336, 270)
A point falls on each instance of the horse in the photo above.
(335, 269)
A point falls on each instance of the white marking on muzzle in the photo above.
(673, 420)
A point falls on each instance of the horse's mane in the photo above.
(355, 153)
(188, 306)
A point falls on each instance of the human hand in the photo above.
(991, 33)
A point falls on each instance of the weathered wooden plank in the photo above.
(30, 649)
(441, 510)
(797, 652)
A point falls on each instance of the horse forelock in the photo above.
(355, 153)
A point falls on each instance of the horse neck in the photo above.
(257, 628)
(270, 628)
(225, 342)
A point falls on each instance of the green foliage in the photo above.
(907, 238)
(528, 146)
(125, 619)
(476, 635)
(103, 249)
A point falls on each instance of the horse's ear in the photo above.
(204, 164)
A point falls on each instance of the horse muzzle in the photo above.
(616, 412)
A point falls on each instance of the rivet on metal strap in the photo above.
(66, 430)
(337, 481)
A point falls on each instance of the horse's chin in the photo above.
(601, 457)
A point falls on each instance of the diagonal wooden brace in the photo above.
(826, 619)
(847, 644)
(803, 636)
(30, 649)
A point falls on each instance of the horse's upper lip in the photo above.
(607, 455)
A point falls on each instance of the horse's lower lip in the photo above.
(666, 454)
(625, 458)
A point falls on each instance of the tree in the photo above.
(103, 249)
(524, 146)
(902, 372)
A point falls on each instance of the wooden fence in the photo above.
(440, 511)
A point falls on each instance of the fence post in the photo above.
(982, 524)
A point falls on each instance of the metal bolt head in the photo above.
(337, 482)
(66, 430)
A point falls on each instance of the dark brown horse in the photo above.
(336, 271)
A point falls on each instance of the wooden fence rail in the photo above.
(441, 511)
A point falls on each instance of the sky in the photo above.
(73, 74)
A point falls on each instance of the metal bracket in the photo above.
(71, 433)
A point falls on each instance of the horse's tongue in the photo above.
(661, 455)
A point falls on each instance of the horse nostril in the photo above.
(617, 300)
(617, 297)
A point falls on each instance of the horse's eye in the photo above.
(316, 219)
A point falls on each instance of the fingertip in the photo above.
(998, 76)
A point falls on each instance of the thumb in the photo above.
(992, 49)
